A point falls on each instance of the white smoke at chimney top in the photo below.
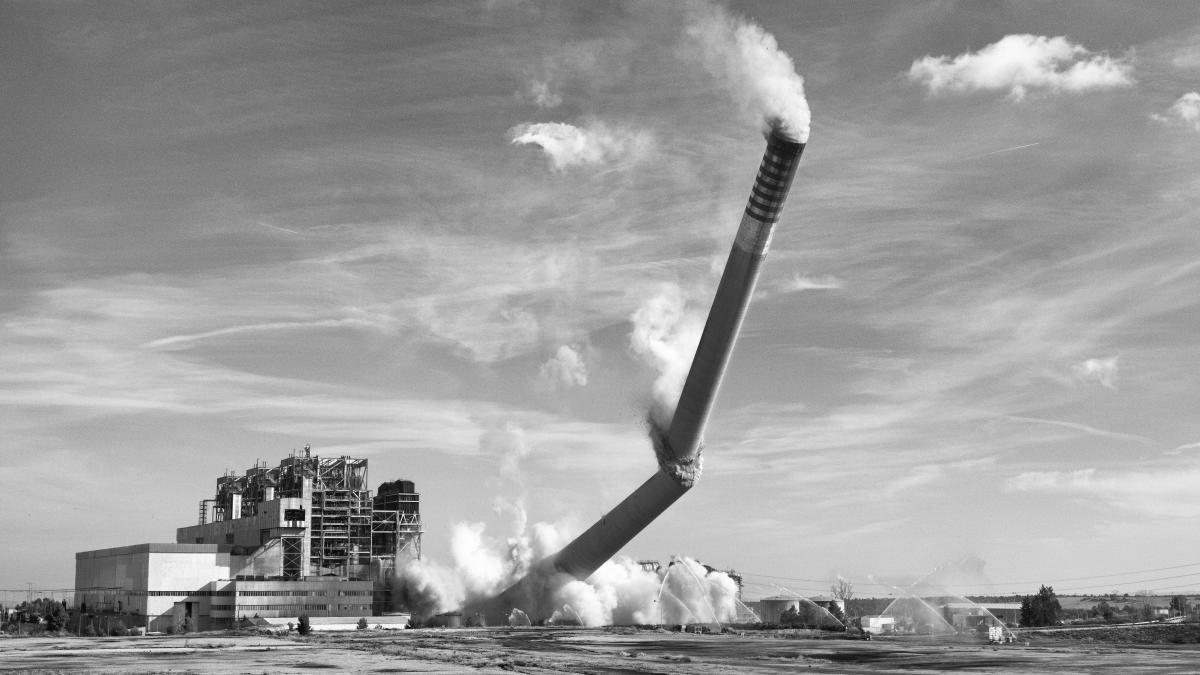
(748, 61)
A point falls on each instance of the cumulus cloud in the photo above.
(568, 145)
(1023, 64)
(565, 369)
(1185, 111)
(1103, 371)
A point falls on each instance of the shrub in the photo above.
(304, 628)
(362, 624)
(56, 617)
(117, 628)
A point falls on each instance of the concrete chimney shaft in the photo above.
(679, 447)
(680, 450)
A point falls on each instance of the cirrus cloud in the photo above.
(1165, 492)
(803, 283)
(1023, 64)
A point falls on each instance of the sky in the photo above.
(430, 235)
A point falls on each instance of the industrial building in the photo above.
(305, 537)
(970, 616)
(878, 624)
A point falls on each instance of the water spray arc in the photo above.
(712, 611)
(932, 589)
(678, 448)
(699, 583)
(809, 605)
(937, 622)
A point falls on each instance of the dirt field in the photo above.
(1137, 633)
(540, 650)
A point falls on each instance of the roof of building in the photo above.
(154, 548)
(795, 598)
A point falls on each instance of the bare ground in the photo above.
(542, 650)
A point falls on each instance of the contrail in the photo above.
(275, 227)
(1079, 427)
(996, 152)
(254, 328)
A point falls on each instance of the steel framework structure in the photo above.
(348, 528)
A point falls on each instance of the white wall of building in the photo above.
(147, 581)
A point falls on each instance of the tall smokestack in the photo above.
(685, 438)
(679, 447)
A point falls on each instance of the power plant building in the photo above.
(305, 537)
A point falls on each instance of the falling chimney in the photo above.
(679, 447)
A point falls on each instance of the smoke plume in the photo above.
(621, 592)
(748, 62)
(480, 567)
(509, 445)
(665, 334)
